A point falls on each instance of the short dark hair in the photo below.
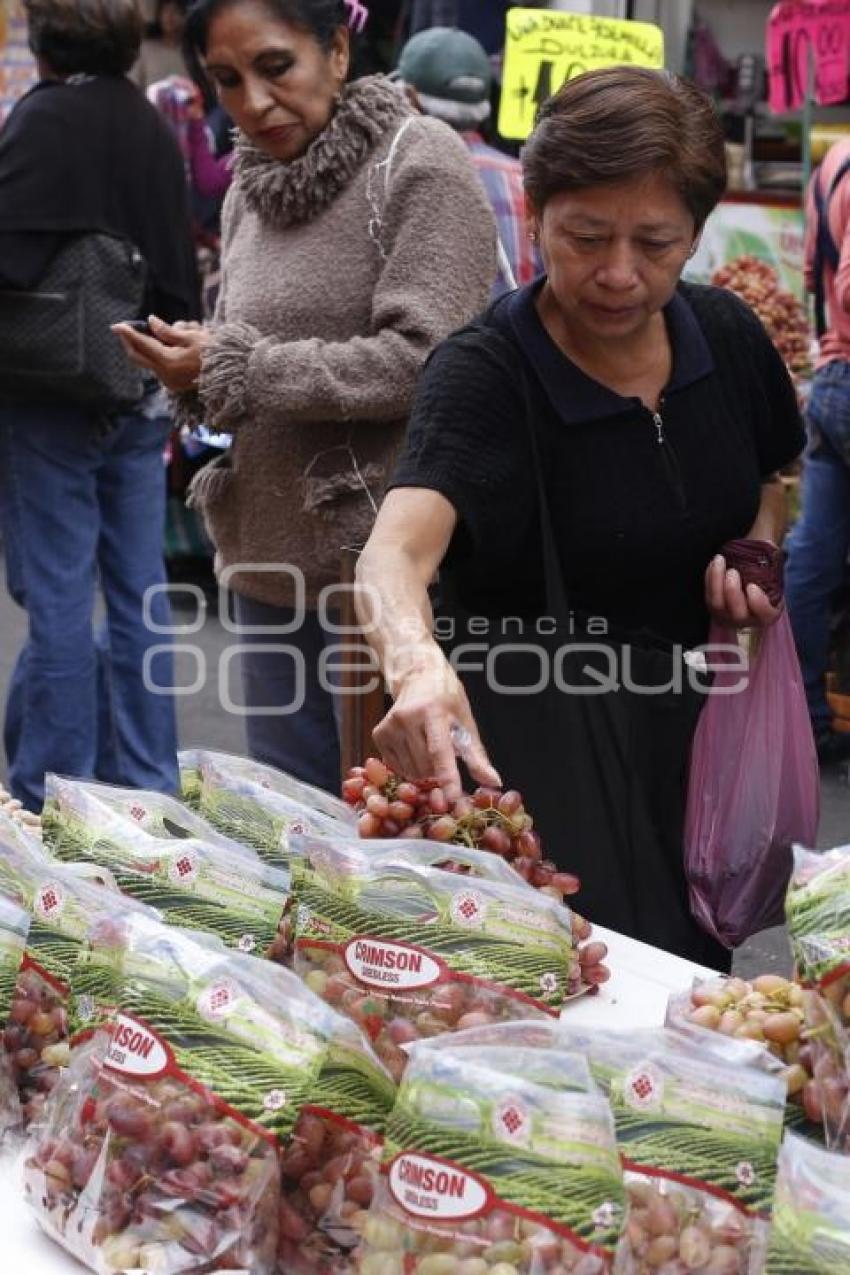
(85, 37)
(321, 18)
(613, 125)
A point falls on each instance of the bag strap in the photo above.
(378, 203)
(557, 599)
(826, 249)
(505, 265)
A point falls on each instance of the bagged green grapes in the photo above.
(193, 883)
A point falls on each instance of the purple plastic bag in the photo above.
(754, 787)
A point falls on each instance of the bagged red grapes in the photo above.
(698, 1138)
(491, 1171)
(698, 1126)
(65, 911)
(817, 909)
(228, 1119)
(200, 885)
(408, 950)
(262, 807)
(14, 927)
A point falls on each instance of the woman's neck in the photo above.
(642, 356)
(639, 365)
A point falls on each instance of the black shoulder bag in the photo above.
(55, 340)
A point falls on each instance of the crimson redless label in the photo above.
(425, 1186)
(136, 1050)
(380, 963)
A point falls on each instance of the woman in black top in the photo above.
(576, 460)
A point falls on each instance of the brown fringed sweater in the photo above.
(341, 272)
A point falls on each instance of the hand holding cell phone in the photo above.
(171, 351)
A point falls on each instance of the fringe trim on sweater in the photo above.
(222, 385)
(209, 483)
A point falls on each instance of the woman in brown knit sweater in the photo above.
(355, 238)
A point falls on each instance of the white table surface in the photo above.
(636, 996)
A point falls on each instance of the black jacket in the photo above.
(92, 154)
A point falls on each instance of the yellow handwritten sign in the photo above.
(544, 48)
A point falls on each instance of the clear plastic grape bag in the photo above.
(409, 950)
(817, 909)
(587, 970)
(19, 836)
(199, 885)
(65, 912)
(192, 763)
(14, 927)
(227, 1119)
(811, 1211)
(258, 806)
(765, 1017)
(698, 1127)
(698, 1141)
(487, 1170)
(155, 813)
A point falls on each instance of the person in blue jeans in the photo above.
(819, 544)
(78, 507)
(82, 491)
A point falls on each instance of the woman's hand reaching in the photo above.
(173, 353)
(429, 726)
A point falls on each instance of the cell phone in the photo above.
(138, 325)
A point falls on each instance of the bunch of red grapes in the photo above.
(485, 820)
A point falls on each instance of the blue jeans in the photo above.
(818, 545)
(78, 507)
(305, 742)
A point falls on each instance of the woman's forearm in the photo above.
(772, 516)
(395, 614)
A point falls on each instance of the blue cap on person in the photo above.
(451, 74)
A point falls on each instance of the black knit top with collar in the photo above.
(637, 511)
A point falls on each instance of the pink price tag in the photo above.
(797, 29)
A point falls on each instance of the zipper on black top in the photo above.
(671, 460)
